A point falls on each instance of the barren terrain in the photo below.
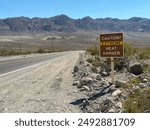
(30, 42)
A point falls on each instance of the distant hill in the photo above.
(63, 23)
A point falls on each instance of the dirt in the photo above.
(41, 88)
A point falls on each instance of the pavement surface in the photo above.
(19, 63)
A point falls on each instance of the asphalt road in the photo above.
(16, 64)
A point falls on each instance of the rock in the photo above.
(120, 83)
(85, 104)
(85, 81)
(76, 69)
(147, 111)
(103, 73)
(119, 105)
(143, 85)
(104, 86)
(75, 91)
(92, 75)
(76, 83)
(144, 80)
(79, 85)
(74, 75)
(106, 105)
(85, 88)
(116, 99)
(113, 88)
(117, 93)
(112, 110)
(107, 90)
(87, 64)
(122, 63)
(135, 68)
(98, 77)
(135, 88)
(95, 76)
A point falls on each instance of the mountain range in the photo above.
(63, 23)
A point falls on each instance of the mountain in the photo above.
(63, 23)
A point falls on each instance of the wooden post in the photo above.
(112, 70)
(20, 48)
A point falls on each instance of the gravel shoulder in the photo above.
(41, 88)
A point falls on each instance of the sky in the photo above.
(122, 9)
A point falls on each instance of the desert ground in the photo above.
(63, 41)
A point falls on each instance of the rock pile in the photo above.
(101, 95)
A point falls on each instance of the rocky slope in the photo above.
(63, 23)
(100, 95)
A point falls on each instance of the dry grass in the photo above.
(138, 102)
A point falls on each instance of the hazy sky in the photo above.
(75, 8)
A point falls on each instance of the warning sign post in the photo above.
(112, 46)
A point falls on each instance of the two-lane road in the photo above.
(41, 84)
(10, 65)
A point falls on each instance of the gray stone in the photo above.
(95, 85)
(75, 91)
(107, 90)
(116, 99)
(98, 77)
(85, 81)
(76, 69)
(104, 74)
(144, 80)
(75, 83)
(79, 85)
(135, 68)
(117, 93)
(147, 111)
(134, 88)
(112, 110)
(119, 105)
(106, 105)
(86, 88)
(86, 102)
(104, 86)
(113, 88)
(120, 83)
(143, 85)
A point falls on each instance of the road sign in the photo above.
(111, 45)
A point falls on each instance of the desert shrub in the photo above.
(5, 52)
(129, 50)
(138, 102)
(90, 60)
(144, 53)
(94, 69)
(40, 50)
(133, 82)
(146, 68)
(93, 50)
(95, 61)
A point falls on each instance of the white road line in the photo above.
(31, 66)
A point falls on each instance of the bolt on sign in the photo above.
(111, 45)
